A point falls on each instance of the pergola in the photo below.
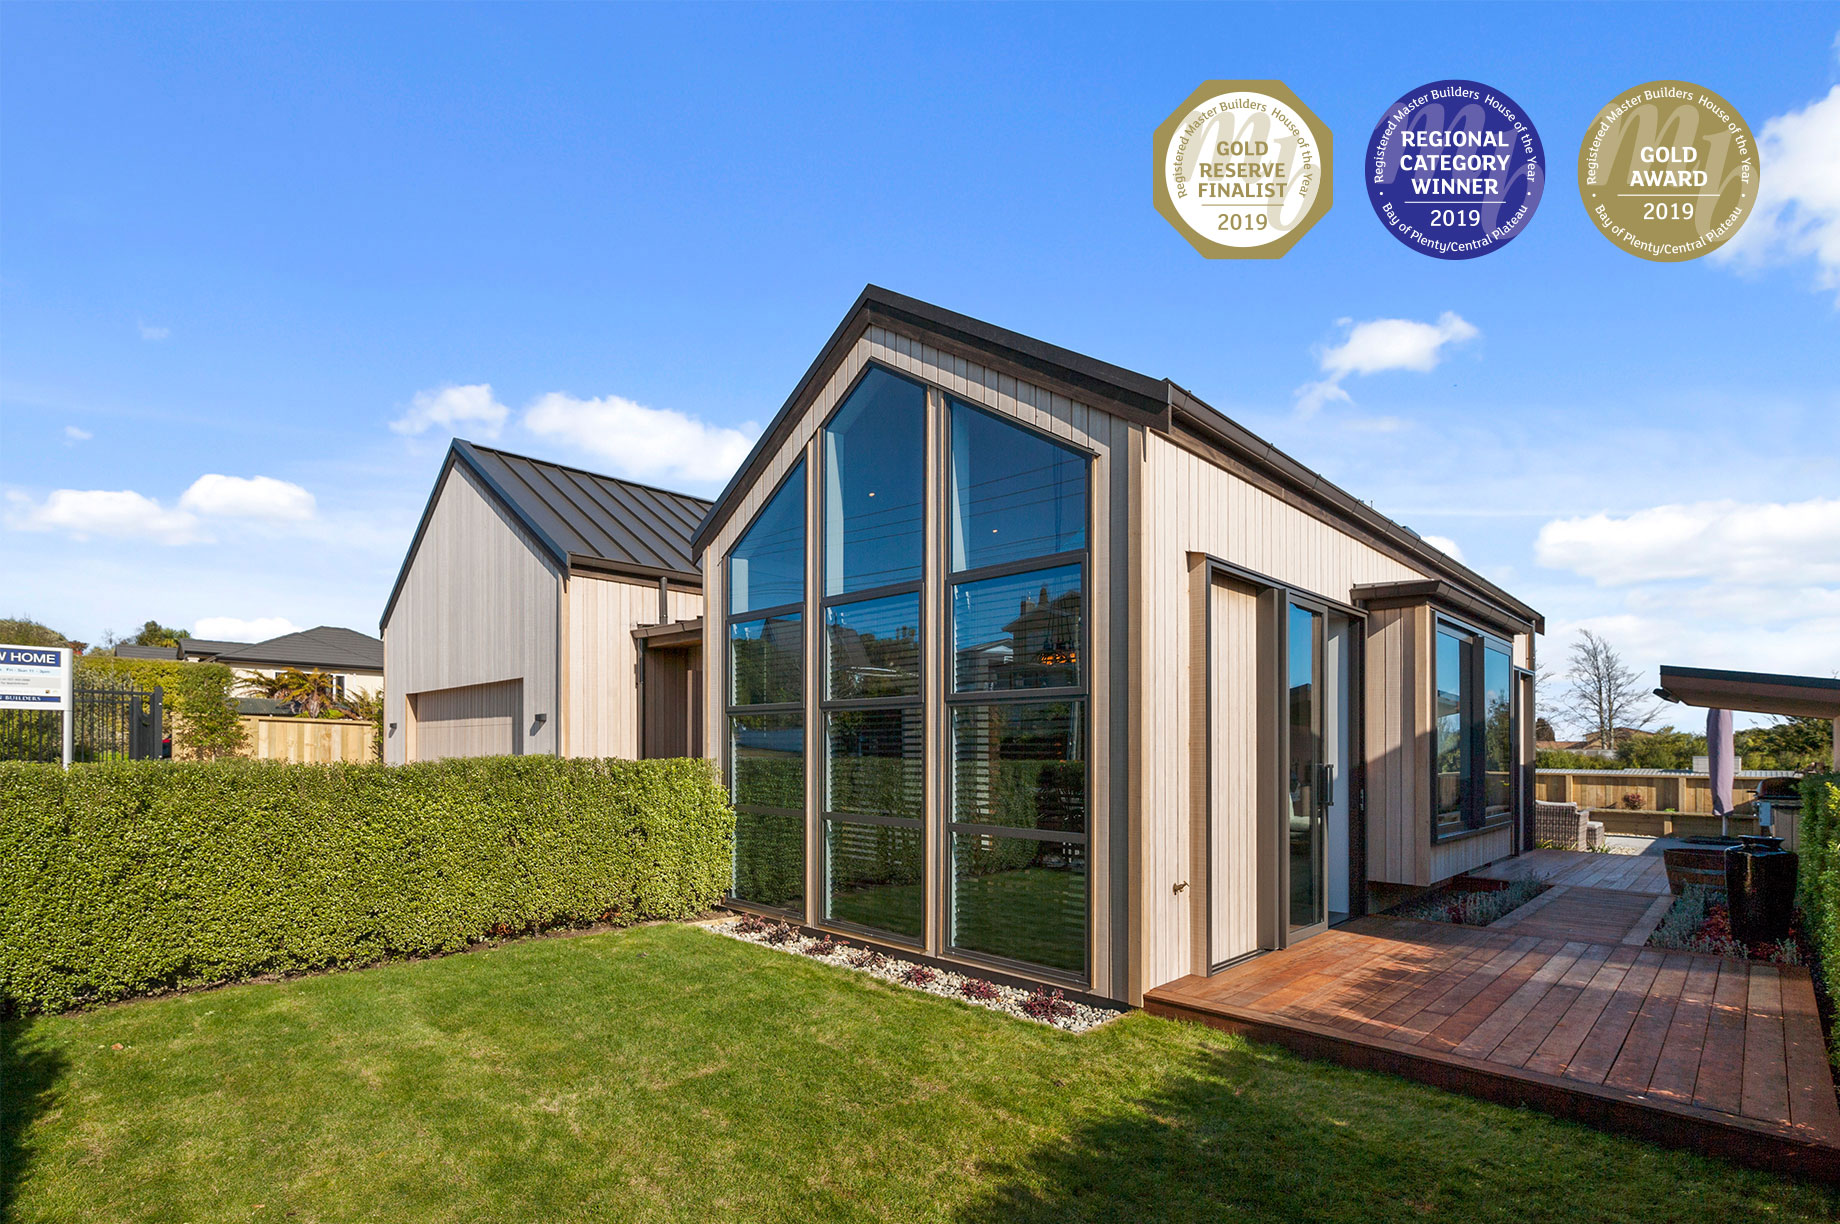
(1755, 693)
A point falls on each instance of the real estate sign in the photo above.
(34, 678)
(39, 678)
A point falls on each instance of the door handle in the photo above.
(1328, 785)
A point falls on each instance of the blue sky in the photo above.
(245, 242)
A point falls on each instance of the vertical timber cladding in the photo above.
(1055, 415)
(1186, 505)
(603, 659)
(479, 605)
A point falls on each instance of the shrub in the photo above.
(1818, 878)
(977, 988)
(136, 876)
(919, 975)
(782, 933)
(200, 701)
(867, 958)
(1633, 801)
(752, 924)
(824, 945)
(1045, 1005)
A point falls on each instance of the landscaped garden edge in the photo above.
(135, 877)
(1818, 883)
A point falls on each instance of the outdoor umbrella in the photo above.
(1719, 764)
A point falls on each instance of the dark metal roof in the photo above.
(1156, 403)
(127, 650)
(328, 648)
(580, 518)
(1753, 692)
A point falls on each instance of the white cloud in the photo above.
(74, 434)
(1445, 545)
(119, 514)
(235, 629)
(251, 497)
(149, 332)
(643, 443)
(1798, 194)
(452, 409)
(1795, 543)
(1379, 345)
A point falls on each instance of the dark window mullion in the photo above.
(1023, 831)
(1007, 568)
(880, 592)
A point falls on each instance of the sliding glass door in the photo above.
(1306, 806)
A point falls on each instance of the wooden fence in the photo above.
(1660, 792)
(308, 739)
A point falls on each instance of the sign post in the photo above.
(41, 678)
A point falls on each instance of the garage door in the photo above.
(476, 720)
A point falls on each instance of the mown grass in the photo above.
(665, 1073)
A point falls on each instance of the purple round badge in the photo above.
(1455, 169)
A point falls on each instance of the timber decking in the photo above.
(1636, 873)
(1560, 1009)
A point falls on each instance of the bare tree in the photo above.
(1604, 693)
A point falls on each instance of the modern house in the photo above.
(544, 609)
(1026, 661)
(353, 660)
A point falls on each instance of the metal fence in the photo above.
(113, 721)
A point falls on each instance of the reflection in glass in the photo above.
(874, 451)
(1018, 631)
(1020, 898)
(875, 876)
(876, 762)
(874, 647)
(768, 751)
(1497, 731)
(1020, 765)
(767, 568)
(1452, 746)
(765, 660)
(1305, 724)
(1015, 494)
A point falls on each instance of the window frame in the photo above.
(1079, 695)
(730, 711)
(828, 705)
(1473, 819)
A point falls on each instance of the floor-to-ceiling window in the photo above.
(1474, 731)
(1017, 691)
(874, 497)
(766, 710)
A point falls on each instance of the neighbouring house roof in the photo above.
(1156, 403)
(129, 651)
(1753, 692)
(580, 518)
(327, 648)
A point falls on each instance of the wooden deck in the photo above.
(1558, 1007)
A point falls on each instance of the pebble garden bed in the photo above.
(1041, 1005)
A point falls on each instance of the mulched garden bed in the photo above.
(1040, 1005)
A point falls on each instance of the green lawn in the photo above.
(666, 1073)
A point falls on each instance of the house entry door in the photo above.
(1306, 792)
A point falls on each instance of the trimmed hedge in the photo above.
(137, 876)
(1818, 879)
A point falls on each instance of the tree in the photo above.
(312, 693)
(1787, 743)
(368, 707)
(1604, 694)
(20, 631)
(1665, 749)
(153, 633)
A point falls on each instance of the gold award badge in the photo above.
(1668, 171)
(1243, 169)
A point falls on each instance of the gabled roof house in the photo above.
(511, 626)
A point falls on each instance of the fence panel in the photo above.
(308, 739)
(113, 721)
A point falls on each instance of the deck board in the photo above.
(1717, 1055)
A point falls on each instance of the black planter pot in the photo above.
(1760, 884)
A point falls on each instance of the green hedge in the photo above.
(1819, 878)
(200, 700)
(130, 877)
